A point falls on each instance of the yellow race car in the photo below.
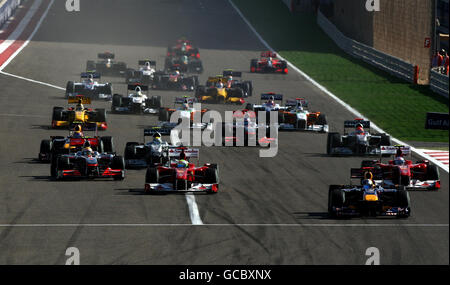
(219, 90)
(90, 119)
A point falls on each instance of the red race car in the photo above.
(180, 175)
(183, 47)
(268, 63)
(414, 176)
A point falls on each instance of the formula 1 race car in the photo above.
(368, 200)
(268, 63)
(90, 88)
(174, 81)
(144, 75)
(87, 163)
(57, 145)
(180, 175)
(358, 142)
(89, 119)
(184, 63)
(137, 102)
(297, 118)
(217, 90)
(183, 47)
(187, 110)
(106, 65)
(293, 116)
(414, 176)
(146, 153)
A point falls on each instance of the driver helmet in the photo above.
(147, 65)
(359, 129)
(138, 90)
(91, 78)
(271, 101)
(177, 72)
(78, 131)
(184, 59)
(230, 78)
(367, 184)
(182, 163)
(399, 160)
(157, 137)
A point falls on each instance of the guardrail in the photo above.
(7, 8)
(393, 65)
(439, 82)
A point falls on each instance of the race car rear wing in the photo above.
(267, 96)
(354, 123)
(182, 100)
(392, 150)
(229, 72)
(106, 55)
(268, 54)
(189, 152)
(294, 103)
(79, 99)
(153, 130)
(144, 62)
(135, 85)
(215, 79)
(95, 75)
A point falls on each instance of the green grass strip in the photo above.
(396, 106)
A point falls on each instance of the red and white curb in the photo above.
(439, 155)
(22, 29)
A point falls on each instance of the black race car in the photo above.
(174, 81)
(106, 65)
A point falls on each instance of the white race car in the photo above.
(89, 87)
(137, 102)
(144, 75)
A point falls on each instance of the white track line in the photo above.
(193, 209)
(374, 225)
(326, 91)
(32, 80)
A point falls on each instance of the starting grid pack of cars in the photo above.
(382, 187)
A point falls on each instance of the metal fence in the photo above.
(391, 64)
(7, 8)
(439, 82)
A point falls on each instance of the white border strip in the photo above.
(29, 38)
(32, 80)
(374, 225)
(193, 209)
(326, 91)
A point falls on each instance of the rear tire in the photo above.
(108, 144)
(333, 140)
(152, 175)
(336, 198)
(164, 115)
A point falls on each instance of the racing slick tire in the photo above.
(116, 101)
(57, 114)
(189, 83)
(164, 115)
(70, 88)
(45, 148)
(152, 175)
(432, 172)
(301, 124)
(118, 163)
(333, 140)
(108, 144)
(336, 198)
(53, 167)
(250, 107)
(253, 65)
(130, 150)
(404, 201)
(100, 115)
(107, 89)
(211, 175)
(155, 102)
(322, 120)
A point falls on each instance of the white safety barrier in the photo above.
(439, 82)
(393, 65)
(7, 8)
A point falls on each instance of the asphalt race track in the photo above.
(267, 211)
